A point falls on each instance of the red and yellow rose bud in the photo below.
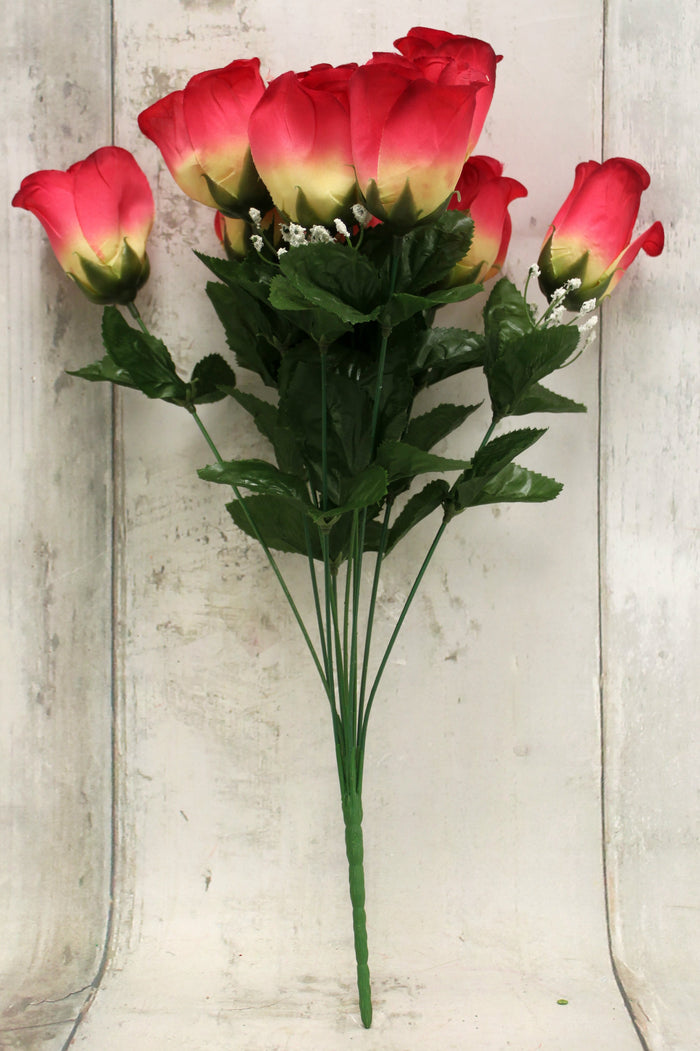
(98, 215)
(447, 58)
(410, 137)
(234, 235)
(590, 237)
(485, 193)
(202, 133)
(300, 140)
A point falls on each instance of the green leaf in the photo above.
(334, 278)
(366, 489)
(446, 352)
(489, 460)
(279, 524)
(418, 507)
(145, 359)
(404, 305)
(209, 378)
(427, 430)
(429, 252)
(403, 461)
(250, 330)
(282, 526)
(349, 424)
(512, 484)
(540, 399)
(266, 419)
(322, 325)
(523, 362)
(105, 370)
(258, 476)
(507, 317)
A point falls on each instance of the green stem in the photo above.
(134, 311)
(390, 645)
(275, 568)
(354, 848)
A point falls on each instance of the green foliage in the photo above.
(342, 336)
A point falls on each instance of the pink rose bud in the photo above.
(98, 215)
(300, 138)
(413, 123)
(485, 193)
(202, 133)
(590, 237)
(451, 59)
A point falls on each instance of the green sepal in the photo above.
(403, 215)
(307, 216)
(117, 283)
(144, 358)
(251, 193)
(550, 280)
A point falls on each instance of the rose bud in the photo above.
(485, 193)
(590, 236)
(202, 133)
(300, 139)
(410, 137)
(450, 59)
(98, 215)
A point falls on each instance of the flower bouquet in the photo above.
(350, 210)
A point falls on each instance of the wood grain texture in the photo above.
(55, 547)
(651, 509)
(485, 895)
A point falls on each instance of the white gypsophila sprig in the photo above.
(556, 314)
(281, 251)
(534, 271)
(362, 216)
(341, 228)
(319, 235)
(294, 235)
(572, 285)
(257, 242)
(590, 304)
(587, 332)
(255, 217)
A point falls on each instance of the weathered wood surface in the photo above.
(650, 549)
(484, 867)
(55, 528)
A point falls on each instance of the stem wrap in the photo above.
(354, 848)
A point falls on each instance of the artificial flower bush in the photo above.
(350, 210)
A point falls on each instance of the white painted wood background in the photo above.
(163, 740)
